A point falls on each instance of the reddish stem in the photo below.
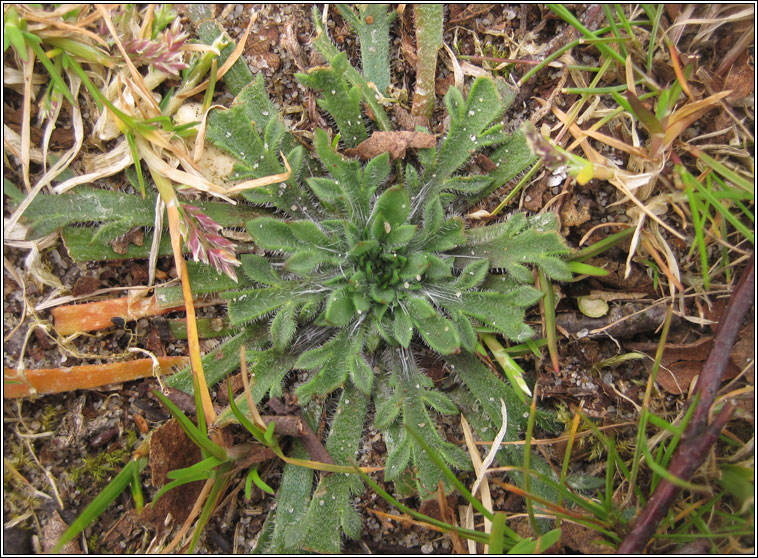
(698, 436)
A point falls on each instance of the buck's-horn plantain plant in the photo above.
(366, 270)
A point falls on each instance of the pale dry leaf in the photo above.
(101, 166)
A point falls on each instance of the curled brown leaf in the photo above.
(394, 143)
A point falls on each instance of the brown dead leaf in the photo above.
(432, 507)
(294, 49)
(260, 45)
(472, 11)
(741, 81)
(443, 84)
(681, 363)
(121, 244)
(51, 533)
(170, 449)
(582, 539)
(575, 212)
(533, 195)
(743, 351)
(406, 120)
(85, 285)
(407, 46)
(394, 143)
(485, 163)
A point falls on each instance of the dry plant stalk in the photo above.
(93, 316)
(56, 380)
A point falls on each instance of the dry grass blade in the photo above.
(12, 142)
(481, 468)
(480, 484)
(136, 75)
(158, 165)
(197, 152)
(226, 66)
(689, 113)
(623, 180)
(63, 163)
(188, 522)
(26, 117)
(52, 19)
(263, 181)
(103, 165)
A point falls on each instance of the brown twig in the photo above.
(698, 437)
(295, 426)
(683, 466)
(728, 329)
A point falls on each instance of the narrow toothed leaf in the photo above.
(284, 325)
(305, 261)
(433, 216)
(361, 374)
(439, 402)
(333, 370)
(398, 460)
(403, 329)
(273, 234)
(260, 269)
(448, 236)
(401, 235)
(386, 412)
(376, 172)
(415, 266)
(245, 306)
(473, 275)
(468, 185)
(466, 332)
(363, 247)
(308, 233)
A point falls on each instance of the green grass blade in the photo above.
(33, 42)
(512, 370)
(654, 13)
(736, 223)
(193, 470)
(102, 501)
(478, 506)
(467, 533)
(580, 268)
(642, 426)
(743, 183)
(697, 224)
(497, 534)
(192, 431)
(527, 459)
(257, 432)
(614, 28)
(254, 477)
(601, 245)
(548, 305)
(179, 482)
(219, 483)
